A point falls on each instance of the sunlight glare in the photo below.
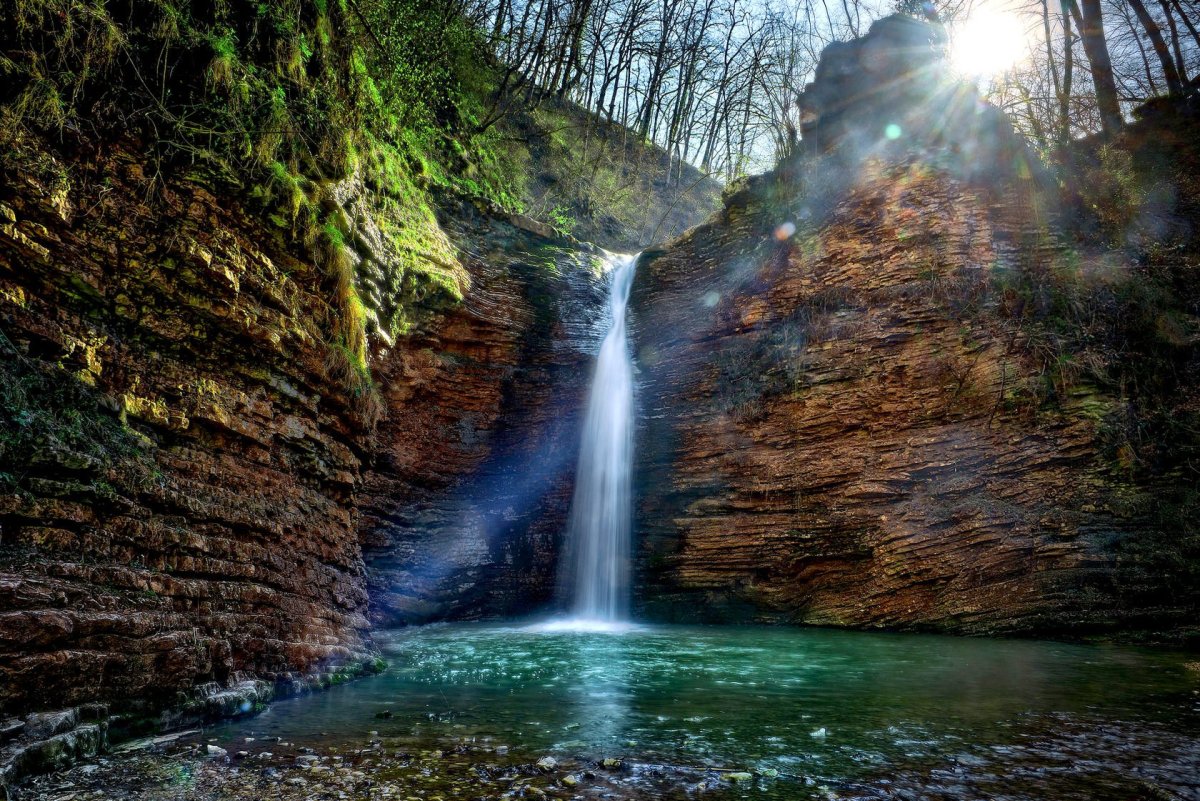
(987, 43)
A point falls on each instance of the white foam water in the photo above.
(598, 532)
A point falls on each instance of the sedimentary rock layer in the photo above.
(465, 502)
(212, 533)
(188, 486)
(851, 417)
(844, 423)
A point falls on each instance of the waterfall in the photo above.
(598, 532)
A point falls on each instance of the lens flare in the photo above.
(987, 43)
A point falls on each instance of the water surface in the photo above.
(810, 711)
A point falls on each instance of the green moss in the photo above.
(279, 99)
(52, 422)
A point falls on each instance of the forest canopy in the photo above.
(715, 82)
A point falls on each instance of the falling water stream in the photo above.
(598, 539)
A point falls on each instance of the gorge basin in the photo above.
(807, 712)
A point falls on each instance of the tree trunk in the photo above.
(1174, 85)
(1180, 64)
(1090, 21)
(1064, 101)
(1187, 22)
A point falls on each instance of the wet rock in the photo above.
(215, 752)
(546, 763)
(47, 724)
(10, 728)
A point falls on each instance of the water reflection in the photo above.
(827, 706)
(600, 689)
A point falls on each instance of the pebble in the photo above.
(215, 751)
(306, 760)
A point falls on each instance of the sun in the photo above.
(987, 43)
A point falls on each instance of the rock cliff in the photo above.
(463, 507)
(180, 502)
(189, 486)
(849, 418)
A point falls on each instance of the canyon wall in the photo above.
(464, 505)
(188, 486)
(178, 498)
(848, 415)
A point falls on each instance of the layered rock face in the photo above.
(842, 421)
(188, 488)
(464, 506)
(185, 513)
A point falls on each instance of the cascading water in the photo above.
(598, 533)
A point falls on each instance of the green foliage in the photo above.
(283, 100)
(49, 418)
(595, 180)
(1113, 192)
(560, 218)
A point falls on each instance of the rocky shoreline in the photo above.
(185, 766)
(194, 766)
(52, 741)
